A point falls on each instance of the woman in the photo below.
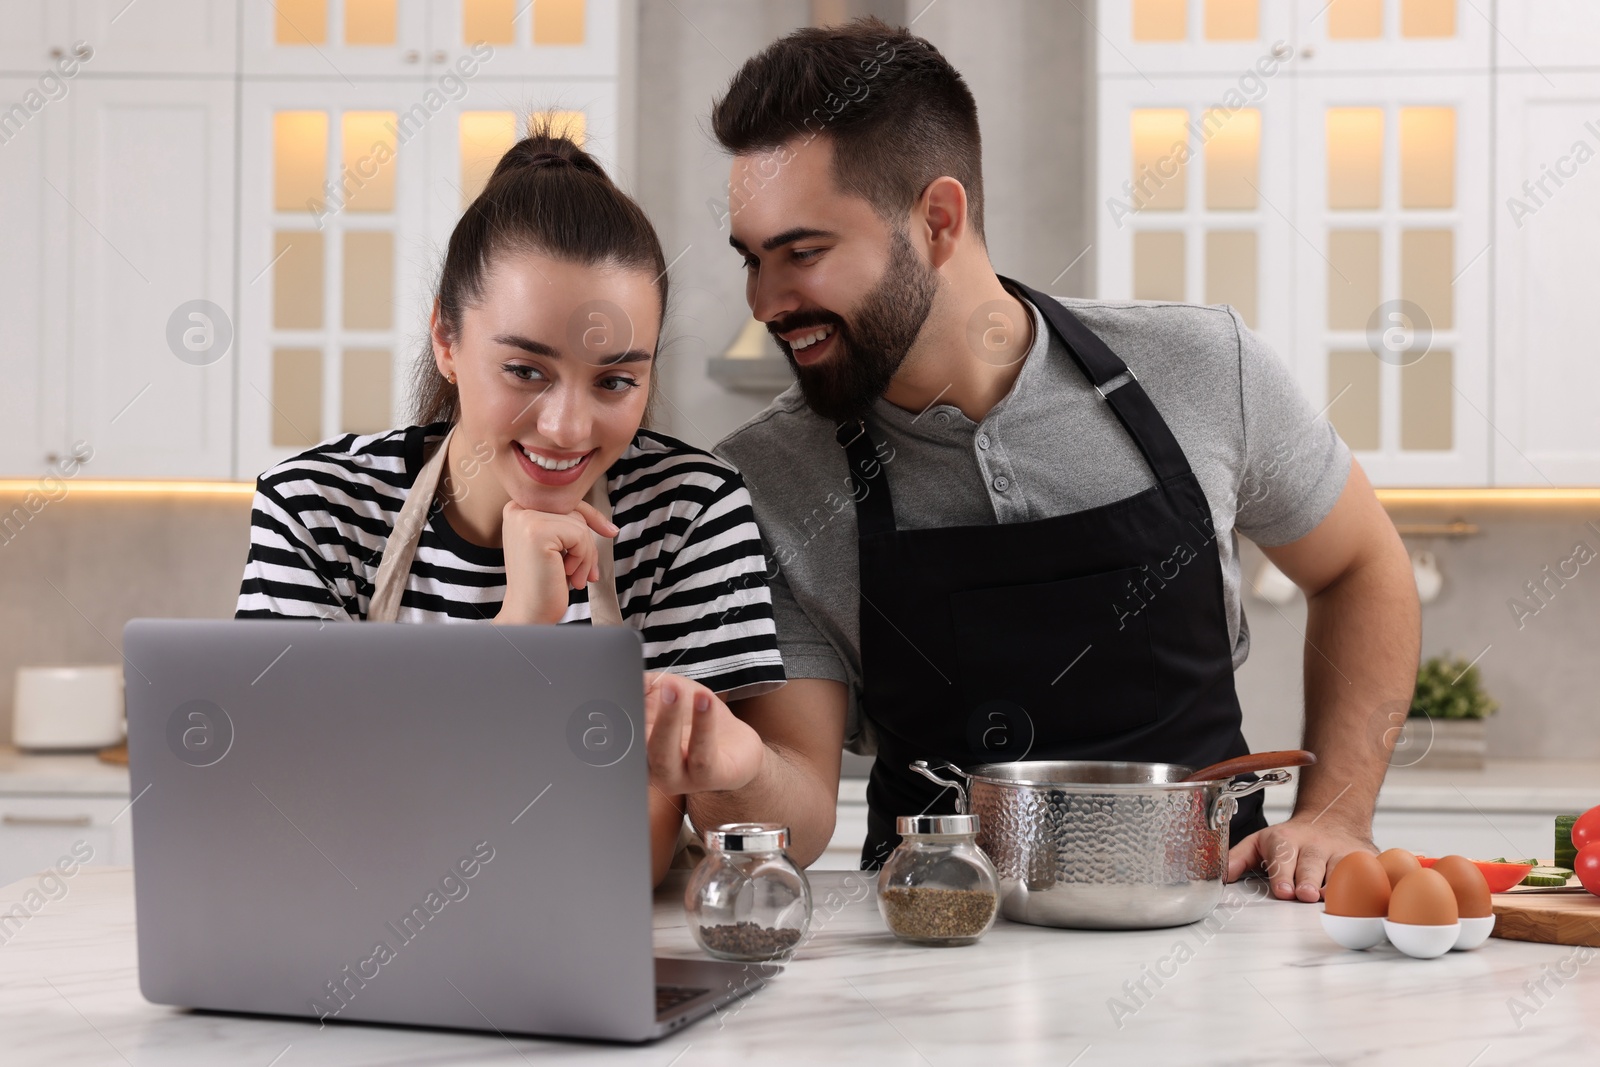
(527, 492)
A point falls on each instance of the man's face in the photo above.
(844, 292)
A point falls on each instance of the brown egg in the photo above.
(1423, 898)
(1398, 863)
(1468, 884)
(1357, 886)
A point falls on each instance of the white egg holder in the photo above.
(1419, 942)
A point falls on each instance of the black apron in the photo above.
(1098, 635)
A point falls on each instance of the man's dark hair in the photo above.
(898, 113)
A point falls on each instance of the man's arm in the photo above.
(802, 730)
(1363, 639)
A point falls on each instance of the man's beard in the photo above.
(872, 343)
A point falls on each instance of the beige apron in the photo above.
(395, 568)
(401, 549)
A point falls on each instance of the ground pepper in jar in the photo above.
(926, 913)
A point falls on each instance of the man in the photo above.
(1005, 525)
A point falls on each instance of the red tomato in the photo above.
(1586, 831)
(1588, 867)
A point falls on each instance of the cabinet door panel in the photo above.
(1392, 257)
(33, 30)
(1151, 38)
(33, 287)
(338, 39)
(164, 37)
(1392, 36)
(1195, 197)
(150, 385)
(1546, 374)
(334, 259)
(1537, 35)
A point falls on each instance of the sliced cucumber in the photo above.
(1548, 877)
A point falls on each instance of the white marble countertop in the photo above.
(71, 774)
(1263, 986)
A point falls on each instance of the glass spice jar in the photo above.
(747, 900)
(938, 887)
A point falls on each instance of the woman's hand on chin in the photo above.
(547, 555)
(695, 743)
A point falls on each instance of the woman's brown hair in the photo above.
(548, 196)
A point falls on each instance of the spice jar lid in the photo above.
(936, 824)
(748, 837)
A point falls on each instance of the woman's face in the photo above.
(553, 365)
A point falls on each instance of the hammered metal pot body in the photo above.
(1103, 845)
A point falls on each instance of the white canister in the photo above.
(67, 707)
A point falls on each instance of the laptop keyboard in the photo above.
(669, 997)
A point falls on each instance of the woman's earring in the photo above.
(451, 379)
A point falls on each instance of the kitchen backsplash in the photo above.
(87, 563)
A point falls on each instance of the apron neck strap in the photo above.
(1132, 405)
(398, 552)
(869, 486)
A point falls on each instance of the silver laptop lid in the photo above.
(436, 825)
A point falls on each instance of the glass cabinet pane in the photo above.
(297, 280)
(366, 390)
(1355, 158)
(1354, 275)
(369, 21)
(1427, 403)
(557, 22)
(1428, 18)
(299, 159)
(491, 21)
(483, 138)
(1353, 398)
(1427, 157)
(1355, 19)
(1231, 271)
(1427, 271)
(368, 280)
(1160, 20)
(1158, 265)
(1160, 169)
(1233, 159)
(300, 22)
(1233, 20)
(296, 397)
(368, 156)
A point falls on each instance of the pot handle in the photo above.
(922, 768)
(1228, 800)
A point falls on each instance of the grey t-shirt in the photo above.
(1271, 466)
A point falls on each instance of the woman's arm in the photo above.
(666, 823)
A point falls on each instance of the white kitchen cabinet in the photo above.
(157, 36)
(1364, 169)
(36, 832)
(151, 231)
(33, 286)
(334, 259)
(1393, 208)
(1197, 195)
(1547, 229)
(560, 39)
(339, 39)
(1546, 35)
(1139, 38)
(1387, 36)
(33, 29)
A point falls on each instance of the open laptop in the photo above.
(433, 825)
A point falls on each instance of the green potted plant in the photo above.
(1446, 721)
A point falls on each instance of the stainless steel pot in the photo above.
(1103, 845)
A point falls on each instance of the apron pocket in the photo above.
(1053, 663)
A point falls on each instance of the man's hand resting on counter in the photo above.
(695, 744)
(1297, 855)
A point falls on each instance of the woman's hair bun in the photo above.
(545, 148)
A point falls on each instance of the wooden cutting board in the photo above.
(1549, 918)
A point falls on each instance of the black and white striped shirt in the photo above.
(690, 569)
